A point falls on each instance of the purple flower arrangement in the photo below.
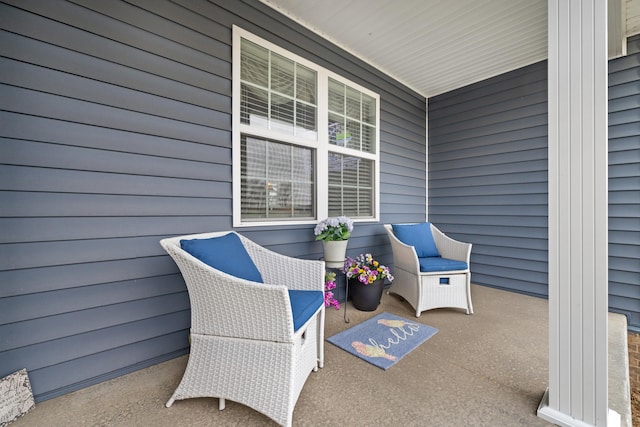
(365, 269)
(329, 286)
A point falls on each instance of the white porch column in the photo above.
(578, 287)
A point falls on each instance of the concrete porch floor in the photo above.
(485, 369)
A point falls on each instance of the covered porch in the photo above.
(489, 368)
(117, 133)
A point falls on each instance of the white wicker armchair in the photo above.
(243, 344)
(433, 289)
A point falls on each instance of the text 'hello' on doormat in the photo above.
(384, 339)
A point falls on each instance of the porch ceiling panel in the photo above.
(432, 46)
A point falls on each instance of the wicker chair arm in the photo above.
(294, 273)
(451, 248)
(404, 256)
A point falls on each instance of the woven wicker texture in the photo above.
(424, 290)
(243, 346)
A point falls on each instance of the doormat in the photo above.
(384, 339)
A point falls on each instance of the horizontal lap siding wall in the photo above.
(488, 178)
(115, 131)
(624, 184)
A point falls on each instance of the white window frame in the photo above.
(321, 146)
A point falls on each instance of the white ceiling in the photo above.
(432, 46)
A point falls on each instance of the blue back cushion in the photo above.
(303, 305)
(225, 253)
(417, 235)
(430, 264)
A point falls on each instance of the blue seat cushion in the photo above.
(417, 235)
(225, 253)
(436, 263)
(303, 305)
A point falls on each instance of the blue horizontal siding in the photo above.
(624, 184)
(488, 178)
(115, 132)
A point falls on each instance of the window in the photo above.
(305, 140)
(352, 124)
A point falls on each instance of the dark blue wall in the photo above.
(488, 178)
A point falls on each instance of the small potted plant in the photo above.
(365, 277)
(334, 233)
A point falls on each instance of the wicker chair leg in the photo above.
(320, 335)
(221, 403)
(469, 303)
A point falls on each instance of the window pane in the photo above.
(353, 135)
(306, 117)
(253, 198)
(253, 148)
(350, 202)
(280, 165)
(353, 103)
(306, 94)
(302, 165)
(368, 139)
(368, 109)
(279, 202)
(277, 180)
(337, 135)
(254, 108)
(336, 97)
(303, 206)
(254, 64)
(282, 114)
(335, 204)
(306, 86)
(365, 199)
(282, 75)
(350, 186)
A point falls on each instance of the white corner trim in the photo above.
(426, 158)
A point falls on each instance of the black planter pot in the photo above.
(365, 297)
